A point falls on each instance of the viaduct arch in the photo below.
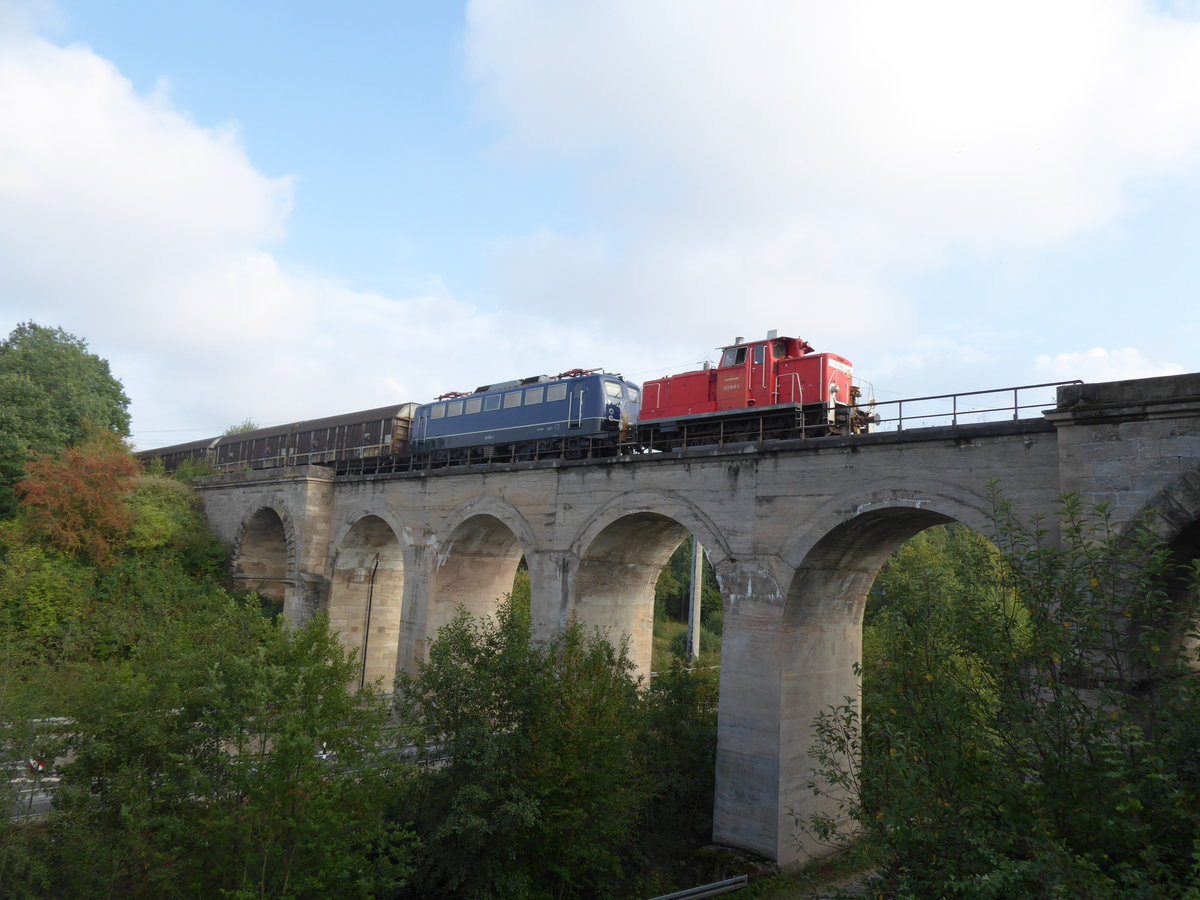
(796, 533)
(264, 558)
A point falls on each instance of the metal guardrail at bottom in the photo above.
(728, 886)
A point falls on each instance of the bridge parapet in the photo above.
(1121, 443)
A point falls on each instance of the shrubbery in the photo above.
(545, 764)
(179, 726)
(1029, 726)
(201, 748)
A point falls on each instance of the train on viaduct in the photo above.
(796, 531)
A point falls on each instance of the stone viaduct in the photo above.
(796, 532)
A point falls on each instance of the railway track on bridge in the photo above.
(934, 415)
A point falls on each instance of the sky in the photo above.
(274, 211)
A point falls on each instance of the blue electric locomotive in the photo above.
(576, 413)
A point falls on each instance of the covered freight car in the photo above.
(351, 436)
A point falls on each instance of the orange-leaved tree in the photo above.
(75, 498)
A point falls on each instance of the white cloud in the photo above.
(778, 163)
(127, 223)
(1100, 364)
(932, 122)
(115, 207)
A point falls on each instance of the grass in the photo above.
(666, 633)
(836, 876)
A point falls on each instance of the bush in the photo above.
(1027, 730)
(550, 767)
(710, 644)
(191, 768)
(532, 764)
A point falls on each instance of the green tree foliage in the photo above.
(681, 753)
(191, 468)
(521, 586)
(672, 597)
(222, 756)
(241, 428)
(51, 390)
(672, 590)
(84, 507)
(209, 751)
(532, 761)
(26, 419)
(167, 518)
(1029, 727)
(225, 757)
(96, 541)
(43, 594)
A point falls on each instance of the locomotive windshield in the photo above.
(734, 356)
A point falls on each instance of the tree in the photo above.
(223, 756)
(198, 747)
(51, 389)
(681, 749)
(168, 518)
(672, 590)
(533, 765)
(241, 428)
(75, 499)
(42, 594)
(1027, 726)
(98, 545)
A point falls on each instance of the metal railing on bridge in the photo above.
(967, 408)
(759, 427)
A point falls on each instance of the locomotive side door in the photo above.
(733, 378)
(575, 406)
(760, 389)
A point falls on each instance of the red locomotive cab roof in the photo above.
(782, 348)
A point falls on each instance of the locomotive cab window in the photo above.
(779, 349)
(734, 356)
(437, 412)
(760, 351)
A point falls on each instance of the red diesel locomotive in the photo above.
(772, 389)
